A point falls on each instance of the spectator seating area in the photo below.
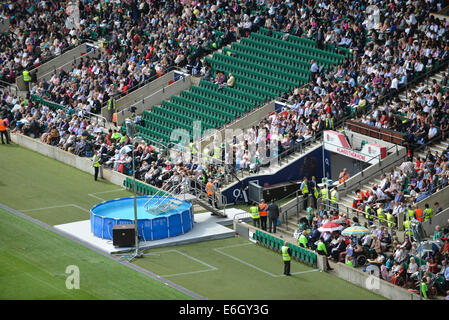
(255, 82)
(379, 252)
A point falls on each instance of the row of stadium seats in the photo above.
(300, 40)
(264, 67)
(141, 188)
(299, 253)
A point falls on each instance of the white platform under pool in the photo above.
(206, 227)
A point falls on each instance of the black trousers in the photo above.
(272, 222)
(286, 267)
(96, 170)
(256, 222)
(263, 222)
(4, 134)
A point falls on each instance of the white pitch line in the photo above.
(93, 195)
(115, 190)
(211, 268)
(55, 207)
(253, 266)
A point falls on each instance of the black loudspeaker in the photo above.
(123, 235)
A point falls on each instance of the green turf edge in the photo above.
(34, 261)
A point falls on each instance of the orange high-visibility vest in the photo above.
(2, 125)
(263, 209)
(209, 188)
(344, 178)
(419, 214)
(114, 117)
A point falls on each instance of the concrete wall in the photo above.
(374, 284)
(46, 70)
(165, 93)
(246, 122)
(81, 163)
(135, 98)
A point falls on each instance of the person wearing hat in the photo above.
(286, 257)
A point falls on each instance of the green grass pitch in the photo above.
(33, 259)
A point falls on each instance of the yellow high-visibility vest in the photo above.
(285, 255)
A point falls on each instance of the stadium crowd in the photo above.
(78, 135)
(401, 263)
(37, 32)
(138, 45)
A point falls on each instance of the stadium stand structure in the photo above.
(265, 65)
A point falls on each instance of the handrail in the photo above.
(143, 83)
(93, 115)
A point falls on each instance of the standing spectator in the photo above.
(273, 215)
(286, 257)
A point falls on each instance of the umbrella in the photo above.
(126, 149)
(340, 220)
(407, 166)
(355, 231)
(330, 227)
(428, 246)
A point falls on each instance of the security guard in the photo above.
(407, 225)
(26, 79)
(3, 131)
(255, 215)
(286, 257)
(192, 150)
(96, 164)
(217, 154)
(334, 198)
(390, 219)
(324, 195)
(111, 108)
(210, 189)
(428, 213)
(263, 212)
(305, 191)
(380, 214)
(206, 157)
(316, 195)
(322, 250)
(419, 214)
(411, 212)
(329, 124)
(302, 240)
(368, 213)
